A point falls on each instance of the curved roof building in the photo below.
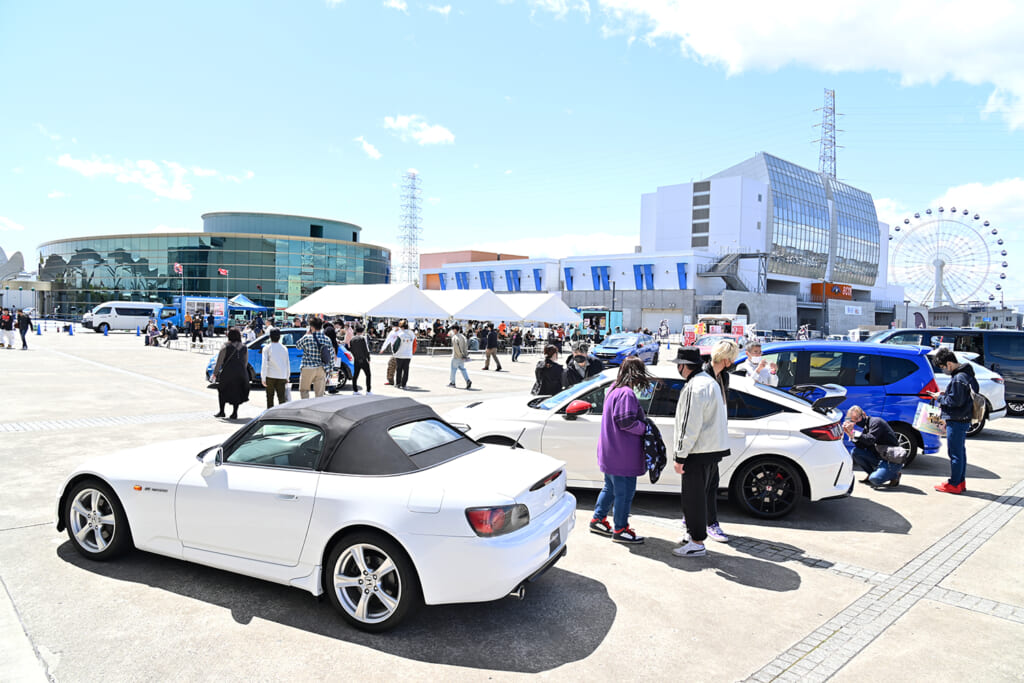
(274, 259)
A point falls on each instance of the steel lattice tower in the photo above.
(827, 153)
(410, 228)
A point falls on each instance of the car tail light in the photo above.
(925, 394)
(546, 480)
(830, 432)
(499, 520)
(997, 380)
(348, 355)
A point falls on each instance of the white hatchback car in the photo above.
(784, 448)
(376, 502)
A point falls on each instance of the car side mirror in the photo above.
(639, 346)
(577, 408)
(211, 460)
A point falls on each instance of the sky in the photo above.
(534, 125)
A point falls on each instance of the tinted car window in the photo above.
(970, 343)
(1006, 346)
(895, 369)
(595, 397)
(103, 311)
(666, 396)
(744, 406)
(786, 364)
(279, 445)
(843, 368)
(422, 435)
(909, 338)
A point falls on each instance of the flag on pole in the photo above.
(178, 269)
(222, 271)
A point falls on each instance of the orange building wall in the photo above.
(443, 258)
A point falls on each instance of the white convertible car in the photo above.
(784, 447)
(376, 501)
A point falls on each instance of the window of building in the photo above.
(699, 241)
(316, 231)
(703, 186)
(701, 214)
(702, 200)
(700, 227)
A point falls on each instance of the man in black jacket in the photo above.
(492, 349)
(359, 347)
(580, 365)
(866, 434)
(956, 405)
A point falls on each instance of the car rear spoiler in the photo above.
(822, 397)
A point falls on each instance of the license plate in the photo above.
(555, 542)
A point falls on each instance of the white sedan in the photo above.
(376, 501)
(783, 447)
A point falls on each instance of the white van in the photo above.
(124, 315)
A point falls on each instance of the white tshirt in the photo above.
(275, 362)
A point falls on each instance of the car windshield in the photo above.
(620, 340)
(562, 396)
(712, 339)
(877, 336)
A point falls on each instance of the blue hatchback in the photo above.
(618, 347)
(289, 337)
(887, 381)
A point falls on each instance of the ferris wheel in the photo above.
(947, 257)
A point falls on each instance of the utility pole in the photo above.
(410, 228)
(827, 150)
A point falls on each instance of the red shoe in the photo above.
(946, 487)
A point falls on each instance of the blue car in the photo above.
(289, 337)
(887, 381)
(618, 347)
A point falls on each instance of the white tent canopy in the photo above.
(541, 307)
(472, 304)
(381, 301)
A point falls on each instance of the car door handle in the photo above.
(287, 495)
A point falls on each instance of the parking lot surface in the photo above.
(903, 583)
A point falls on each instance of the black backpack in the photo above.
(655, 453)
(326, 355)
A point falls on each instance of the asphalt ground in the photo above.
(902, 584)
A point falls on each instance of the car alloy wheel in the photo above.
(1015, 407)
(96, 523)
(103, 328)
(975, 429)
(343, 376)
(907, 439)
(372, 582)
(767, 487)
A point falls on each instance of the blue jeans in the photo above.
(617, 494)
(879, 471)
(516, 350)
(956, 438)
(459, 364)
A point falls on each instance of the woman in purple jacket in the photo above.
(620, 451)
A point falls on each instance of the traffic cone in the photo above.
(39, 329)
(106, 331)
(71, 330)
(138, 332)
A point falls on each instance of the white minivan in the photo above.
(124, 315)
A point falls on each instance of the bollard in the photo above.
(138, 332)
(39, 329)
(106, 331)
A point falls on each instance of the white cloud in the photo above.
(399, 5)
(508, 171)
(7, 225)
(560, 8)
(166, 180)
(416, 128)
(249, 175)
(922, 42)
(434, 200)
(42, 129)
(204, 172)
(18, 169)
(370, 150)
(443, 11)
(232, 179)
(56, 194)
(334, 3)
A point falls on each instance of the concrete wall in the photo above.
(633, 303)
(842, 315)
(767, 311)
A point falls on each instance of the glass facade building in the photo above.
(275, 264)
(857, 237)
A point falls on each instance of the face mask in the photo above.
(754, 359)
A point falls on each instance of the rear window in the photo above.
(906, 338)
(1006, 346)
(744, 406)
(422, 435)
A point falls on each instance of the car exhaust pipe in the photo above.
(519, 592)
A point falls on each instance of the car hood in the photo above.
(163, 462)
(503, 408)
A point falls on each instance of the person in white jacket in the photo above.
(701, 437)
(275, 370)
(757, 368)
(404, 354)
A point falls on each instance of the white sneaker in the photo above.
(691, 549)
(715, 533)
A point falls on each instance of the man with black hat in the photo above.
(701, 439)
(580, 365)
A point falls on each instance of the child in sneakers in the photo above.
(620, 452)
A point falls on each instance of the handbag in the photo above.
(897, 455)
(928, 418)
(655, 453)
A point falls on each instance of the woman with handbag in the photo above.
(548, 373)
(620, 452)
(231, 373)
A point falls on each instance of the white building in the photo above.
(764, 237)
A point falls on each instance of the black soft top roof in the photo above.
(356, 428)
